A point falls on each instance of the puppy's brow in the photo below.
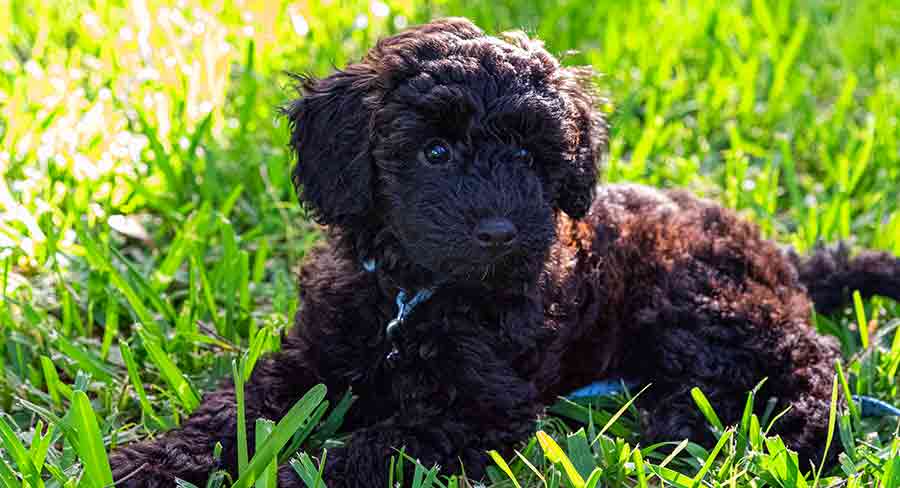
(529, 117)
(451, 108)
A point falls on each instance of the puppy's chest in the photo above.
(438, 360)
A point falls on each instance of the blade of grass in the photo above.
(832, 416)
(854, 410)
(208, 293)
(579, 452)
(335, 419)
(7, 476)
(307, 470)
(19, 454)
(744, 437)
(138, 385)
(110, 325)
(55, 387)
(712, 457)
(269, 477)
(90, 448)
(706, 408)
(172, 375)
(680, 447)
(237, 369)
(285, 428)
(639, 468)
(99, 260)
(141, 283)
(531, 467)
(86, 360)
(861, 319)
(619, 413)
(555, 455)
(498, 459)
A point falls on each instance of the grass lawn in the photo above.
(149, 234)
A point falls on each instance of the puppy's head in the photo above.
(452, 148)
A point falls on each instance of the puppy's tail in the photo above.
(831, 274)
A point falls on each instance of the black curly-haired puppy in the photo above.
(456, 173)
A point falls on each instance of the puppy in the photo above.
(473, 272)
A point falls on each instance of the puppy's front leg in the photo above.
(448, 442)
(187, 453)
(449, 411)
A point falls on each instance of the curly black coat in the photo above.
(468, 164)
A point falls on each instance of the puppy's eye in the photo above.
(523, 155)
(438, 152)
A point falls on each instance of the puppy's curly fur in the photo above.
(401, 156)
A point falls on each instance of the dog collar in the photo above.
(405, 306)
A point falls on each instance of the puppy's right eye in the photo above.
(437, 152)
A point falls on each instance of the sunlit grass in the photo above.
(149, 234)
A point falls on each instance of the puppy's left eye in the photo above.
(437, 152)
(523, 155)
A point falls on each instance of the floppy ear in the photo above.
(580, 181)
(330, 128)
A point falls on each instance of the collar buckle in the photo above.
(404, 308)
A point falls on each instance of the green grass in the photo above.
(149, 233)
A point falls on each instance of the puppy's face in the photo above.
(459, 148)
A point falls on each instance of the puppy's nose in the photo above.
(495, 232)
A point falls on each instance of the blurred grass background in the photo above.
(149, 232)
